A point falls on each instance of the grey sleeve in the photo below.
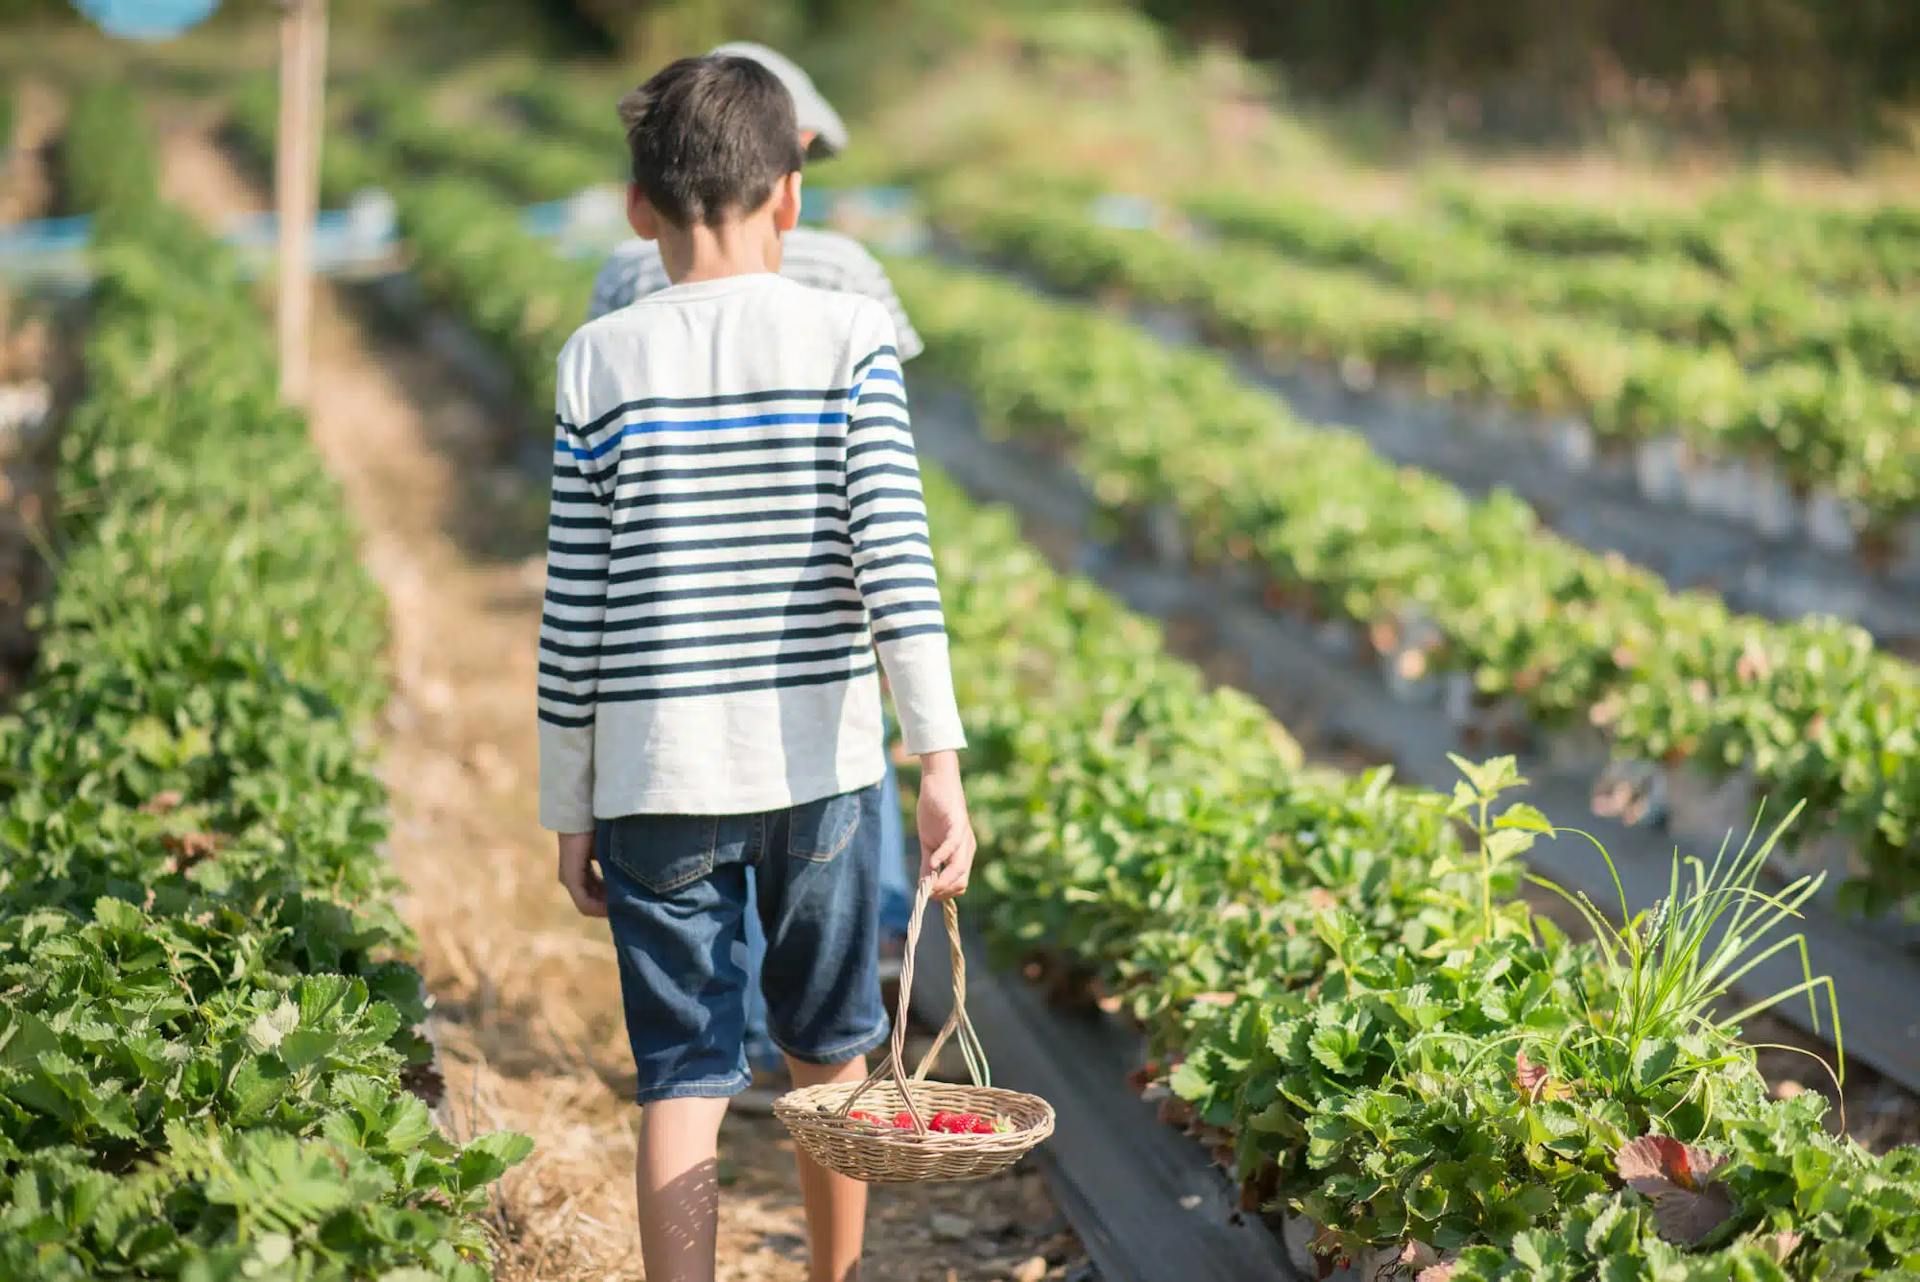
(632, 271)
(868, 277)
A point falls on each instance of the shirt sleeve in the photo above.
(612, 287)
(892, 549)
(867, 276)
(579, 533)
(632, 271)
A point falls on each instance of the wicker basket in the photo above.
(883, 1154)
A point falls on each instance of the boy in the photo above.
(825, 260)
(737, 528)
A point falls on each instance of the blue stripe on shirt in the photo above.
(827, 419)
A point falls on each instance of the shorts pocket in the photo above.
(819, 830)
(663, 852)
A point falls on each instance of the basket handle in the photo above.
(958, 1026)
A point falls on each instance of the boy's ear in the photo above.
(786, 202)
(641, 215)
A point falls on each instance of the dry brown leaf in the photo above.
(161, 803)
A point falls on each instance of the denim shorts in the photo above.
(677, 902)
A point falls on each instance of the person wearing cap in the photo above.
(824, 260)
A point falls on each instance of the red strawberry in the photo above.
(979, 1126)
(903, 1120)
(861, 1115)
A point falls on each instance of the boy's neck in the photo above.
(736, 247)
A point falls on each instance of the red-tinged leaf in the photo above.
(161, 803)
(1663, 1158)
(1535, 1082)
(1530, 1078)
(1675, 1177)
(189, 848)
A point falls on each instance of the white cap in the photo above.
(812, 112)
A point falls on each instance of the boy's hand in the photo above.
(946, 834)
(579, 876)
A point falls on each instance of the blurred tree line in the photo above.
(1540, 67)
(1514, 68)
(672, 27)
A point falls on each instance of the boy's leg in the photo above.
(676, 901)
(761, 1052)
(836, 1205)
(819, 901)
(678, 1189)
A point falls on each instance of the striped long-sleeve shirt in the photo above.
(737, 528)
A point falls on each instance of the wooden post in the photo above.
(303, 60)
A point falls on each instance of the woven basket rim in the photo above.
(815, 1107)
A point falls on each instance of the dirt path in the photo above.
(527, 1011)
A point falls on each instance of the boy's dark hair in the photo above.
(710, 136)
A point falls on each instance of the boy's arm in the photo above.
(579, 533)
(893, 566)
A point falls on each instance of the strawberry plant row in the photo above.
(1445, 582)
(1832, 429)
(1761, 319)
(1740, 233)
(1821, 428)
(509, 159)
(209, 1049)
(1340, 984)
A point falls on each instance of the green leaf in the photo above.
(1189, 1082)
(304, 1047)
(1525, 817)
(267, 1031)
(489, 1157)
